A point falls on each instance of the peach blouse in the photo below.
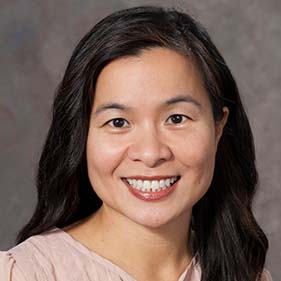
(56, 256)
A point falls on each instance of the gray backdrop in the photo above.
(37, 38)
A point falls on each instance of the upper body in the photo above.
(56, 256)
(138, 140)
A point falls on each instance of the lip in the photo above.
(151, 196)
(150, 178)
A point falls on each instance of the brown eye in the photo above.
(177, 118)
(117, 122)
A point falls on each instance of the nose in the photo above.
(149, 148)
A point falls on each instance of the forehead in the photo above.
(155, 74)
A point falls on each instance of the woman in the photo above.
(148, 171)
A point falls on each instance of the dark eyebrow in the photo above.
(171, 101)
(184, 98)
(111, 105)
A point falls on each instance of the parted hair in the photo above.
(229, 244)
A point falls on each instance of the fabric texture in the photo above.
(56, 256)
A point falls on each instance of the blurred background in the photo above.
(36, 42)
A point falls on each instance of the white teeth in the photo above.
(154, 185)
(139, 186)
(146, 186)
(162, 183)
(167, 182)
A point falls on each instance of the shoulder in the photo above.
(266, 276)
(51, 256)
(19, 266)
(29, 260)
(7, 267)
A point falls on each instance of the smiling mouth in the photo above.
(151, 184)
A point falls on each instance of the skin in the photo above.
(148, 239)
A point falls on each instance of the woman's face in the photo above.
(151, 121)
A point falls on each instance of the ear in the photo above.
(221, 123)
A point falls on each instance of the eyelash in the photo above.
(122, 119)
(181, 115)
(115, 119)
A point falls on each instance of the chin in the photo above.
(153, 222)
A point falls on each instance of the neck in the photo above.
(138, 249)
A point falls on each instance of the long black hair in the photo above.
(229, 243)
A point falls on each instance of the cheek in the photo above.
(197, 157)
(199, 143)
(197, 153)
(103, 155)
